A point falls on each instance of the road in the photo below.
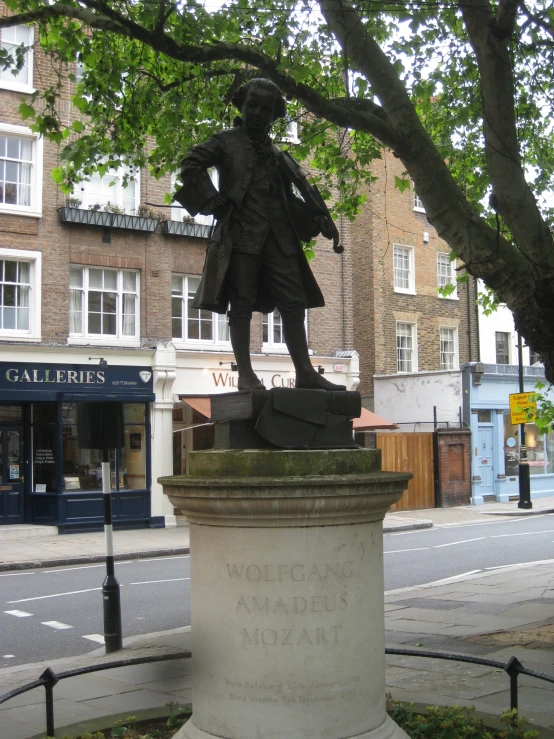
(50, 613)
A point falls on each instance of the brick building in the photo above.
(95, 306)
(406, 328)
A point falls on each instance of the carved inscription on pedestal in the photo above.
(298, 605)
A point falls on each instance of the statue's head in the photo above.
(260, 102)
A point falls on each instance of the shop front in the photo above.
(47, 477)
(496, 441)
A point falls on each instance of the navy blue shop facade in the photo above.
(46, 478)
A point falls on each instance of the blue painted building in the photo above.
(495, 441)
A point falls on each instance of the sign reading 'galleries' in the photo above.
(91, 379)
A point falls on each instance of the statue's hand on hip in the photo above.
(215, 206)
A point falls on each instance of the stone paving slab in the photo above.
(86, 687)
(66, 711)
(456, 686)
(122, 702)
(11, 726)
(430, 664)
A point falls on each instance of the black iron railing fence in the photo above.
(49, 678)
(512, 667)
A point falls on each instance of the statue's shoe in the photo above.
(249, 381)
(315, 381)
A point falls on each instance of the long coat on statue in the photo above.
(231, 152)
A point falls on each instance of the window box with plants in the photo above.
(109, 216)
(187, 227)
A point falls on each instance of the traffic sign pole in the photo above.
(524, 475)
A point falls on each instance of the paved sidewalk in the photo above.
(29, 550)
(26, 547)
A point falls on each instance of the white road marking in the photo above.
(471, 524)
(452, 543)
(524, 533)
(68, 569)
(157, 559)
(16, 574)
(150, 582)
(415, 531)
(505, 519)
(56, 625)
(8, 656)
(83, 567)
(54, 595)
(94, 637)
(449, 579)
(19, 614)
(397, 551)
(522, 564)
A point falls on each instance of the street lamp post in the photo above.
(524, 476)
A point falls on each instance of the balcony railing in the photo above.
(182, 228)
(107, 220)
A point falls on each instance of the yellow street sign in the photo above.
(523, 407)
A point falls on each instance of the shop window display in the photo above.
(540, 449)
(10, 414)
(82, 468)
(44, 447)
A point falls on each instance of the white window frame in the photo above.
(34, 210)
(83, 337)
(452, 277)
(34, 259)
(413, 336)
(274, 347)
(79, 71)
(417, 204)
(291, 135)
(82, 192)
(455, 352)
(217, 319)
(270, 345)
(177, 212)
(10, 82)
(508, 337)
(410, 290)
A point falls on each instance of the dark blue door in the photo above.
(11, 474)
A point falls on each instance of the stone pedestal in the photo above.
(287, 593)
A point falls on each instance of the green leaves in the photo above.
(455, 722)
(402, 183)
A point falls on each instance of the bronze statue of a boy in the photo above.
(255, 260)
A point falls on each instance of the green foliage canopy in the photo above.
(460, 91)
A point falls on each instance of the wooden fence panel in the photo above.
(405, 452)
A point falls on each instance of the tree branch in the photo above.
(445, 204)
(506, 14)
(99, 16)
(513, 198)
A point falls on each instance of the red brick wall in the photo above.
(453, 464)
(388, 218)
